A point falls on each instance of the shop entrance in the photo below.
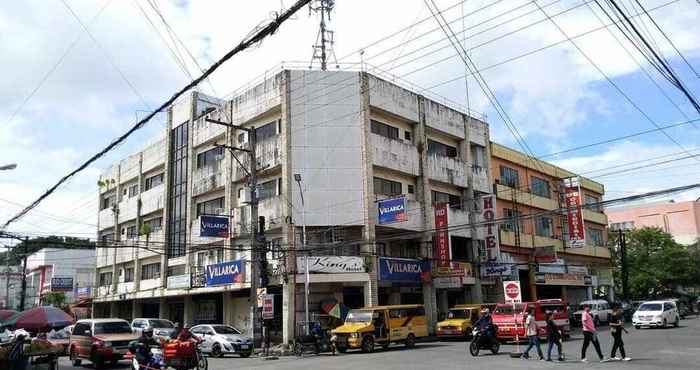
(524, 276)
(549, 291)
(150, 310)
(177, 311)
(354, 297)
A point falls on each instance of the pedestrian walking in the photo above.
(589, 334)
(554, 336)
(532, 336)
(617, 326)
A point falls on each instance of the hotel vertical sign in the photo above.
(488, 215)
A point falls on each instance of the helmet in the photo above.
(148, 332)
(187, 326)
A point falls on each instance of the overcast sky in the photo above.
(66, 93)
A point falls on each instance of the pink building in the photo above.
(682, 219)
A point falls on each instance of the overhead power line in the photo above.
(265, 31)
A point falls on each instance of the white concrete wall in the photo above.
(456, 217)
(480, 180)
(447, 170)
(393, 99)
(130, 168)
(127, 209)
(395, 154)
(478, 132)
(257, 100)
(203, 131)
(444, 119)
(154, 155)
(153, 199)
(327, 147)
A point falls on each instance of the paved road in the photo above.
(674, 348)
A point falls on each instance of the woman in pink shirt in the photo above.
(589, 334)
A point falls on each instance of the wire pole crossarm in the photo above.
(231, 125)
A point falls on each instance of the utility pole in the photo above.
(7, 278)
(254, 244)
(24, 275)
(623, 262)
(324, 34)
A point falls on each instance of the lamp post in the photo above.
(297, 178)
(7, 167)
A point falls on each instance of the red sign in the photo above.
(511, 289)
(442, 242)
(268, 307)
(488, 213)
(572, 197)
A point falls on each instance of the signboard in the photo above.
(268, 307)
(442, 241)
(225, 273)
(400, 269)
(495, 269)
(213, 226)
(260, 294)
(511, 291)
(331, 264)
(391, 211)
(460, 269)
(179, 282)
(562, 279)
(83, 292)
(447, 282)
(488, 215)
(582, 270)
(576, 237)
(545, 254)
(557, 267)
(62, 284)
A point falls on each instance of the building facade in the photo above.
(68, 271)
(10, 283)
(353, 172)
(680, 219)
(533, 229)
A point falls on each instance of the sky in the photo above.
(564, 79)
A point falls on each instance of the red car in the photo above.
(100, 341)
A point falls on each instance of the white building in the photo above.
(10, 287)
(58, 270)
(355, 140)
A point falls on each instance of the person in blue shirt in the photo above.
(485, 325)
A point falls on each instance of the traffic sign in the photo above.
(511, 290)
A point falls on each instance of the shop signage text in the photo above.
(398, 269)
(225, 273)
(488, 214)
(179, 282)
(447, 282)
(268, 307)
(442, 240)
(574, 215)
(562, 279)
(331, 264)
(495, 269)
(392, 210)
(62, 284)
(213, 226)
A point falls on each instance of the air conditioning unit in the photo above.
(245, 196)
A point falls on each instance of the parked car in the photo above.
(600, 311)
(100, 341)
(219, 340)
(656, 313)
(161, 327)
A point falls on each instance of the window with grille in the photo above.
(454, 201)
(385, 130)
(267, 190)
(150, 271)
(543, 226)
(105, 278)
(540, 187)
(511, 215)
(440, 149)
(210, 207)
(509, 177)
(387, 187)
(153, 181)
(594, 237)
(128, 274)
(131, 232)
(478, 156)
(177, 203)
(266, 131)
(210, 157)
(155, 224)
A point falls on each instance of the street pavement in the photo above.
(673, 348)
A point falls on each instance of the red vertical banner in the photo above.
(574, 214)
(442, 242)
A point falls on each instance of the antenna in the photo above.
(323, 49)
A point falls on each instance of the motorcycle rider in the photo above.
(145, 341)
(485, 325)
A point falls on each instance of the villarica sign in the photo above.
(392, 210)
(225, 273)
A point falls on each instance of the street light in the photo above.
(297, 178)
(10, 166)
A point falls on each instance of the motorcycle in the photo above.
(480, 340)
(160, 360)
(316, 343)
(154, 361)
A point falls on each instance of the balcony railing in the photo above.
(447, 170)
(395, 154)
(208, 178)
(268, 153)
(480, 179)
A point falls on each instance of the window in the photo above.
(105, 278)
(593, 201)
(210, 207)
(154, 224)
(512, 215)
(274, 246)
(440, 149)
(543, 226)
(478, 156)
(594, 237)
(131, 232)
(176, 270)
(509, 177)
(454, 201)
(411, 189)
(461, 248)
(150, 271)
(153, 181)
(407, 135)
(266, 131)
(80, 329)
(133, 190)
(128, 274)
(385, 130)
(267, 190)
(540, 187)
(107, 202)
(138, 324)
(387, 187)
(210, 157)
(107, 238)
(177, 204)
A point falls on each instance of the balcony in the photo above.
(268, 153)
(478, 132)
(447, 170)
(127, 209)
(393, 99)
(130, 168)
(456, 218)
(106, 218)
(208, 178)
(595, 216)
(151, 244)
(203, 131)
(444, 119)
(149, 284)
(395, 154)
(152, 199)
(153, 156)
(524, 197)
(123, 288)
(271, 208)
(480, 179)
(127, 250)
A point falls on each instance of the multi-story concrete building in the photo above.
(680, 219)
(58, 270)
(334, 150)
(527, 190)
(10, 286)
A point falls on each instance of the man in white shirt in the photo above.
(532, 336)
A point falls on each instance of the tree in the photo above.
(56, 299)
(656, 264)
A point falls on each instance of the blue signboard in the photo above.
(400, 269)
(62, 284)
(216, 226)
(83, 292)
(225, 273)
(392, 210)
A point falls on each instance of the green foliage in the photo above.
(56, 299)
(657, 265)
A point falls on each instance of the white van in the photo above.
(656, 313)
(600, 311)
